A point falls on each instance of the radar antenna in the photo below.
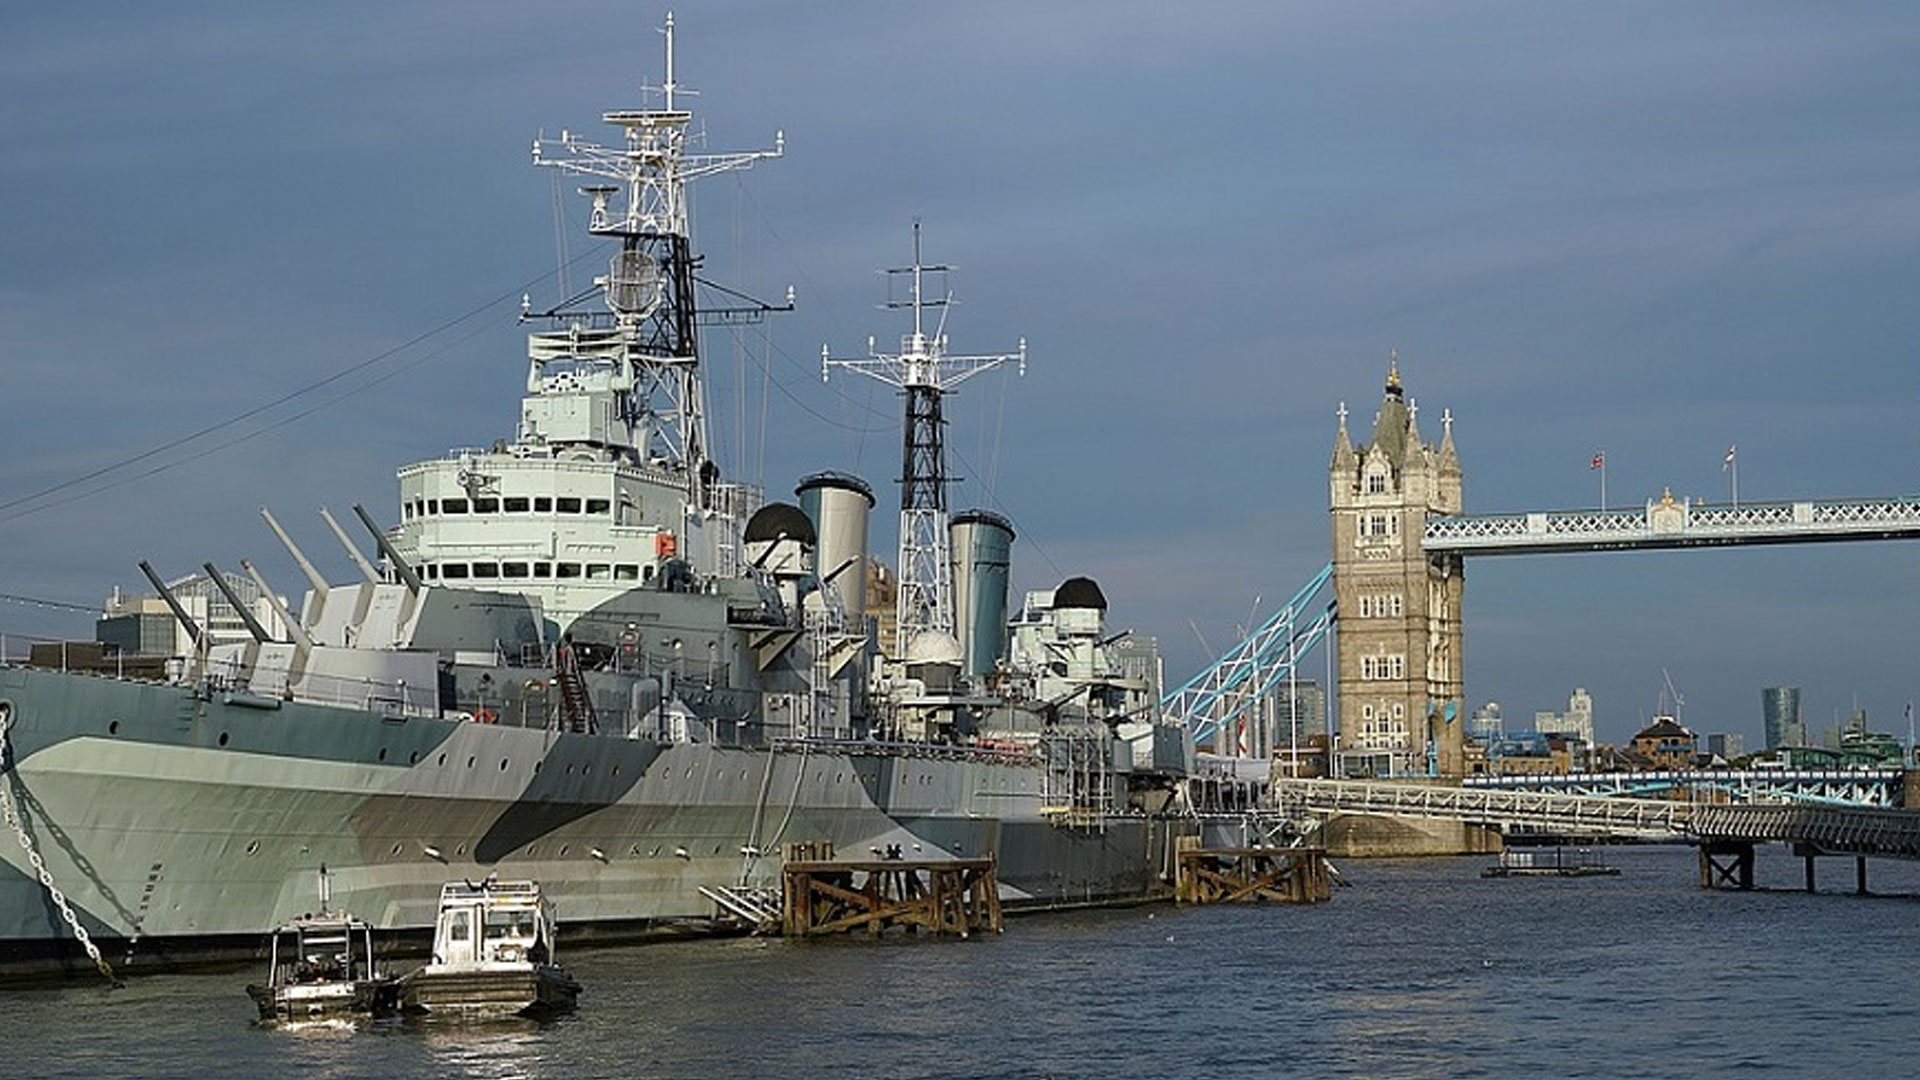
(645, 341)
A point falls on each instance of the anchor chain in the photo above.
(39, 865)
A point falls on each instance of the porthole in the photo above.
(413, 757)
(636, 849)
(383, 754)
(532, 850)
(655, 851)
(470, 763)
(503, 764)
(569, 770)
(396, 849)
(461, 850)
(586, 768)
(443, 759)
(253, 847)
(223, 738)
(113, 728)
(616, 770)
(564, 848)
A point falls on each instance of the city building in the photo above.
(1664, 744)
(1726, 745)
(1532, 753)
(1485, 727)
(1780, 716)
(144, 626)
(1294, 715)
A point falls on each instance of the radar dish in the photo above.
(633, 283)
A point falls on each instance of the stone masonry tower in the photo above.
(1401, 707)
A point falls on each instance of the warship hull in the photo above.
(183, 825)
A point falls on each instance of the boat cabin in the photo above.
(493, 922)
(322, 966)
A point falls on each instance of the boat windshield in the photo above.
(509, 925)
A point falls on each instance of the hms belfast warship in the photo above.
(583, 658)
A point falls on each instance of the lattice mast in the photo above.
(647, 335)
(924, 373)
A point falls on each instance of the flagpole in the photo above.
(1603, 482)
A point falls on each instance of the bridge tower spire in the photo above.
(1400, 689)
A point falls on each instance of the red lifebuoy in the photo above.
(484, 715)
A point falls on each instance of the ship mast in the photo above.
(646, 341)
(924, 373)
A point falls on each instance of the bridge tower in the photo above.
(1401, 707)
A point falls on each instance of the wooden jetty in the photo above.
(821, 894)
(1292, 875)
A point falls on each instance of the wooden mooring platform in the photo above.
(823, 895)
(1293, 875)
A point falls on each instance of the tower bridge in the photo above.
(1394, 622)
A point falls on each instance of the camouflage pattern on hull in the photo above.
(182, 824)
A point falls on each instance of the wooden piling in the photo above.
(1294, 875)
(824, 895)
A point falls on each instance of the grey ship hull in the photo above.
(184, 825)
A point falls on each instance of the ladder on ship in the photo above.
(576, 703)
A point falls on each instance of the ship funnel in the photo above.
(982, 543)
(839, 505)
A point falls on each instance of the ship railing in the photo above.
(1010, 754)
(392, 698)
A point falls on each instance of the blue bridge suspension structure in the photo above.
(1221, 699)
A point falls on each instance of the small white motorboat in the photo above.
(492, 956)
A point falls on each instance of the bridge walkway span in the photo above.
(1838, 830)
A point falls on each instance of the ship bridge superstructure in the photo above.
(608, 482)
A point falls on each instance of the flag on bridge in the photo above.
(1599, 461)
(1727, 463)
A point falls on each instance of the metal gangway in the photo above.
(1839, 787)
(1833, 830)
(1829, 829)
(1510, 811)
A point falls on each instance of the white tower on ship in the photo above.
(924, 373)
(642, 356)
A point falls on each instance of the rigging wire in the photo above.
(249, 436)
(42, 602)
(264, 407)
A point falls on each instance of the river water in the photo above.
(1420, 969)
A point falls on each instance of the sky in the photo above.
(266, 254)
